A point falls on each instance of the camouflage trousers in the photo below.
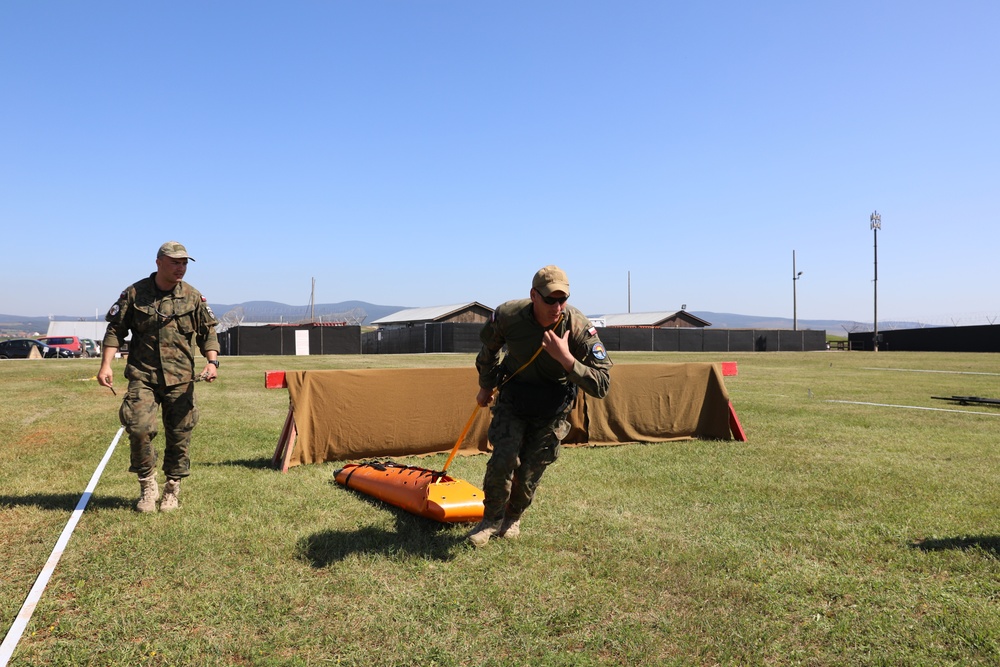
(522, 449)
(138, 415)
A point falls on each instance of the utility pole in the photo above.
(630, 291)
(795, 307)
(876, 224)
(312, 302)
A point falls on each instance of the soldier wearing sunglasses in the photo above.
(538, 352)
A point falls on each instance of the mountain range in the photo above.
(362, 312)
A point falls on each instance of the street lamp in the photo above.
(876, 224)
(795, 306)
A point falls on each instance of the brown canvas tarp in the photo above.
(345, 415)
(660, 402)
(355, 414)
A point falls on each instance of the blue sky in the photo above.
(425, 153)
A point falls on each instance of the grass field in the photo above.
(849, 530)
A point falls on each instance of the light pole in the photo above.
(795, 305)
(876, 224)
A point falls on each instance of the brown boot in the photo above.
(168, 503)
(149, 492)
(510, 528)
(483, 531)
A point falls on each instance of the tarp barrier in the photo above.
(344, 415)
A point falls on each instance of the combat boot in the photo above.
(150, 491)
(510, 528)
(483, 531)
(168, 503)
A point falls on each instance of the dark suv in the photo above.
(20, 348)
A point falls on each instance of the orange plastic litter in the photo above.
(423, 492)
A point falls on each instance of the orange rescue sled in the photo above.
(427, 493)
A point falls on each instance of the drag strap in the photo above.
(458, 443)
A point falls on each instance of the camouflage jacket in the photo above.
(166, 327)
(513, 335)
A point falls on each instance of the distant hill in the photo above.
(832, 327)
(363, 312)
(354, 312)
(19, 325)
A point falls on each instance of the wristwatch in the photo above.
(214, 362)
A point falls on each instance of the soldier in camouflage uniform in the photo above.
(168, 319)
(538, 351)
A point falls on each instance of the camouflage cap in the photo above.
(173, 249)
(550, 279)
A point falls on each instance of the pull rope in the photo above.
(458, 443)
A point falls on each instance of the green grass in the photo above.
(840, 534)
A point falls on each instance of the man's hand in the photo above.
(105, 377)
(210, 373)
(558, 348)
(484, 397)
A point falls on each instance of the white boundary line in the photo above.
(919, 370)
(28, 608)
(917, 407)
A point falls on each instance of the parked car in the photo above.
(91, 348)
(71, 343)
(20, 348)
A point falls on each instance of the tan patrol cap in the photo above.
(174, 250)
(550, 279)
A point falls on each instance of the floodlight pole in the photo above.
(795, 306)
(876, 224)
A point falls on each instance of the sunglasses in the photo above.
(552, 300)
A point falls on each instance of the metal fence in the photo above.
(461, 337)
(978, 338)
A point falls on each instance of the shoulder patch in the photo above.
(598, 351)
(592, 331)
(114, 310)
(204, 300)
